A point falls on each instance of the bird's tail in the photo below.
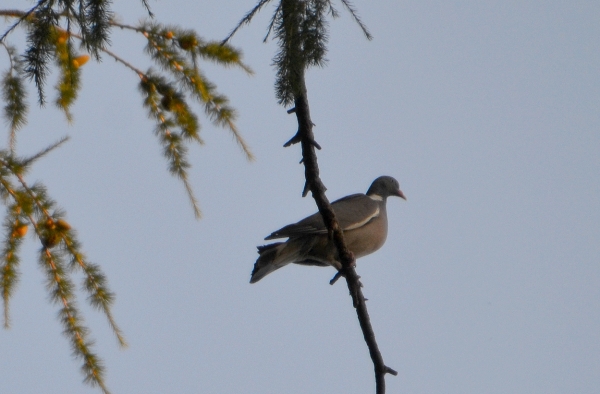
(274, 256)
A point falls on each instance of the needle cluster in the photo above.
(301, 30)
(177, 52)
(60, 256)
(61, 36)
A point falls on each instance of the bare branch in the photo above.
(44, 152)
(147, 7)
(313, 182)
(22, 16)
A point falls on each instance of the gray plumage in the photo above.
(362, 217)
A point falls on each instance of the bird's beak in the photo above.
(400, 194)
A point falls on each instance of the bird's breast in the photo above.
(368, 238)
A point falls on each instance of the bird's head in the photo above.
(383, 187)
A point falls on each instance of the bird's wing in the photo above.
(352, 212)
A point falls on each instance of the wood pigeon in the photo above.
(363, 218)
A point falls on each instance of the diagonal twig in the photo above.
(317, 188)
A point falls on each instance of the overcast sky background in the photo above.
(488, 113)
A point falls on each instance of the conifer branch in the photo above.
(95, 283)
(119, 59)
(53, 29)
(39, 50)
(176, 50)
(61, 291)
(69, 64)
(350, 7)
(17, 13)
(30, 160)
(15, 229)
(188, 41)
(332, 11)
(246, 19)
(115, 57)
(14, 94)
(272, 23)
(61, 288)
(57, 230)
(31, 204)
(95, 34)
(159, 100)
(147, 7)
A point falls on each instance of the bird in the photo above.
(362, 217)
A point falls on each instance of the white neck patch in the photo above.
(363, 222)
(376, 197)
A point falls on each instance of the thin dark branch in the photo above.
(332, 11)
(38, 155)
(147, 7)
(315, 185)
(357, 19)
(272, 23)
(22, 16)
(246, 19)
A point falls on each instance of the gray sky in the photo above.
(488, 114)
